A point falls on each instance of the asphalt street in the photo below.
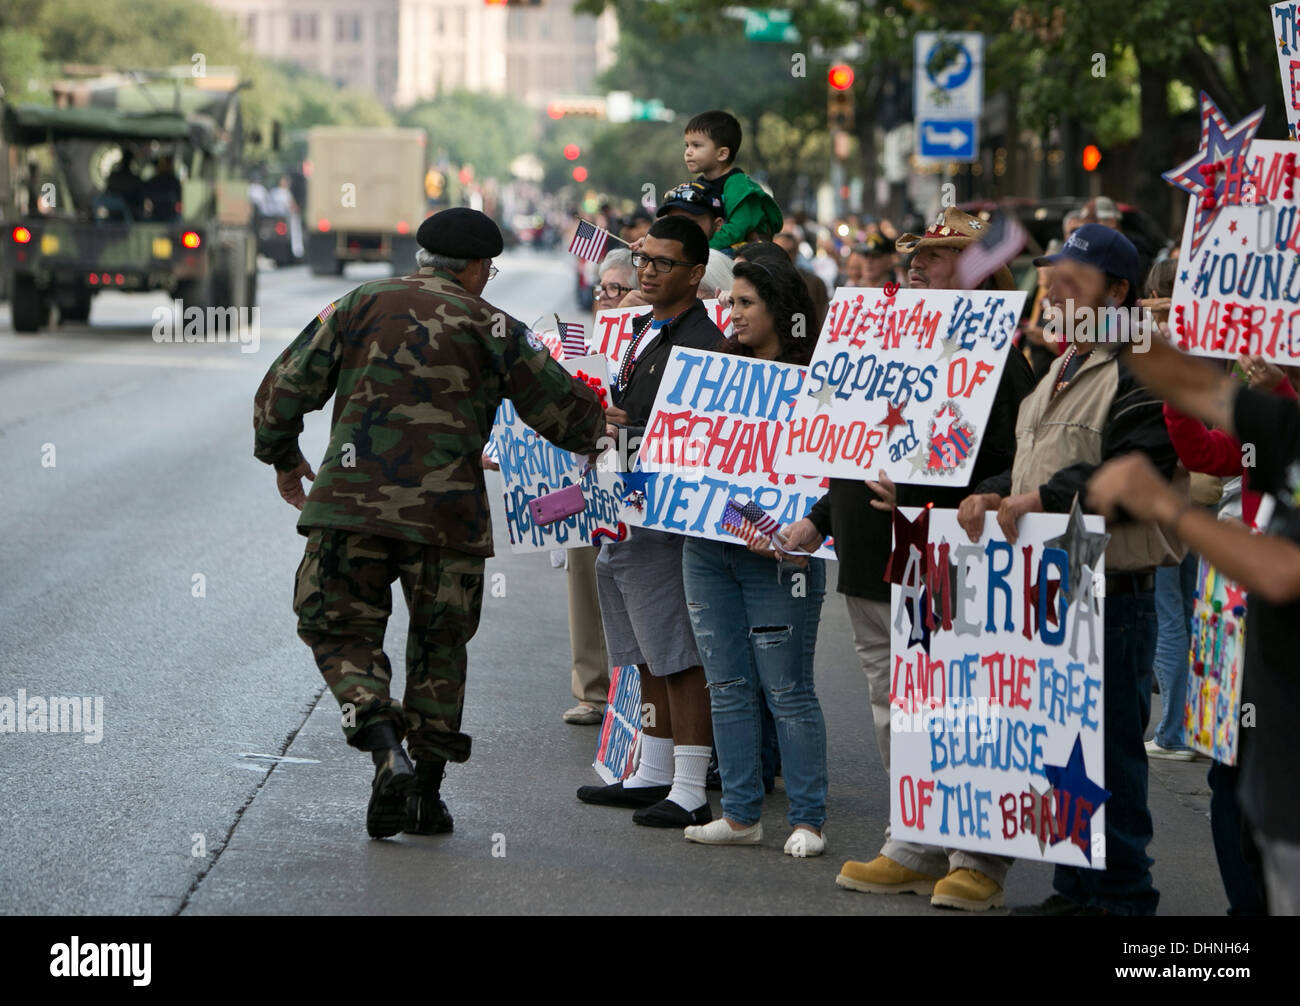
(147, 559)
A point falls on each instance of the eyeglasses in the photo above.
(615, 290)
(493, 272)
(661, 265)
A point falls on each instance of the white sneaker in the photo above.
(719, 832)
(1154, 750)
(803, 843)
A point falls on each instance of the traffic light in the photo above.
(839, 98)
(571, 152)
(1091, 157)
(579, 174)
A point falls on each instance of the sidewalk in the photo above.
(301, 848)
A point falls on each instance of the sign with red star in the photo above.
(893, 418)
(1214, 174)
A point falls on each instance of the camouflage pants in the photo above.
(343, 599)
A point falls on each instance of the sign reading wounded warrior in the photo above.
(531, 466)
(417, 366)
(1237, 288)
(996, 711)
(901, 382)
(720, 421)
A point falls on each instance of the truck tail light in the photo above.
(22, 235)
(191, 239)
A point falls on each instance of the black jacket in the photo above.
(864, 535)
(694, 329)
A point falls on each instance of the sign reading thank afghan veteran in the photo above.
(718, 424)
(903, 383)
(532, 466)
(996, 690)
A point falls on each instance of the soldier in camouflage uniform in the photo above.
(417, 366)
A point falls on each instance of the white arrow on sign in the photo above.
(954, 138)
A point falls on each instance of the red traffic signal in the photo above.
(571, 152)
(579, 174)
(1091, 157)
(840, 77)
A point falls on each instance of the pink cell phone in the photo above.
(557, 505)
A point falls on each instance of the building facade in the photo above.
(405, 51)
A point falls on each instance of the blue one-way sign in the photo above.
(946, 139)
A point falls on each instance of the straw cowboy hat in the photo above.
(954, 228)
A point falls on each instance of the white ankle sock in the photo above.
(690, 766)
(656, 765)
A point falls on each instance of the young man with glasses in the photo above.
(642, 600)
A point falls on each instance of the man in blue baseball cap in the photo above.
(1087, 409)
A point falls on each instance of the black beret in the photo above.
(460, 232)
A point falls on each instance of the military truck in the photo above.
(365, 196)
(131, 181)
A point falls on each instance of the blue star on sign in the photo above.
(634, 481)
(1219, 141)
(1182, 276)
(1070, 781)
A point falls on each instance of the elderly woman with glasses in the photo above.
(617, 280)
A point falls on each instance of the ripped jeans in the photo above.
(755, 625)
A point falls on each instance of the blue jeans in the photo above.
(1124, 887)
(1175, 595)
(755, 625)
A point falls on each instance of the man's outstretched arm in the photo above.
(1191, 385)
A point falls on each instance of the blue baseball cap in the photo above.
(1102, 248)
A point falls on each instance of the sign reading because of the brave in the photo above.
(903, 383)
(719, 422)
(996, 691)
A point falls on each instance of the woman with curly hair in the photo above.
(755, 612)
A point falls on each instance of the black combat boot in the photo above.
(394, 777)
(426, 814)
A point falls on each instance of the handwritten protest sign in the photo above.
(1237, 288)
(1217, 657)
(620, 731)
(1287, 25)
(996, 725)
(532, 466)
(718, 424)
(904, 383)
(613, 331)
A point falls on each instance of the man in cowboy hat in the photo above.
(933, 265)
(859, 517)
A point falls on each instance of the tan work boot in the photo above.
(884, 876)
(969, 890)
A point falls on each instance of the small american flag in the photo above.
(755, 514)
(734, 522)
(981, 259)
(589, 242)
(573, 336)
(326, 311)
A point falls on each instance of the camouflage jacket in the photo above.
(418, 366)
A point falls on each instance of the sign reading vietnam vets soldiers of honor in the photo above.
(902, 382)
(718, 423)
(1237, 289)
(996, 652)
(532, 466)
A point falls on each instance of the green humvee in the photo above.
(134, 184)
